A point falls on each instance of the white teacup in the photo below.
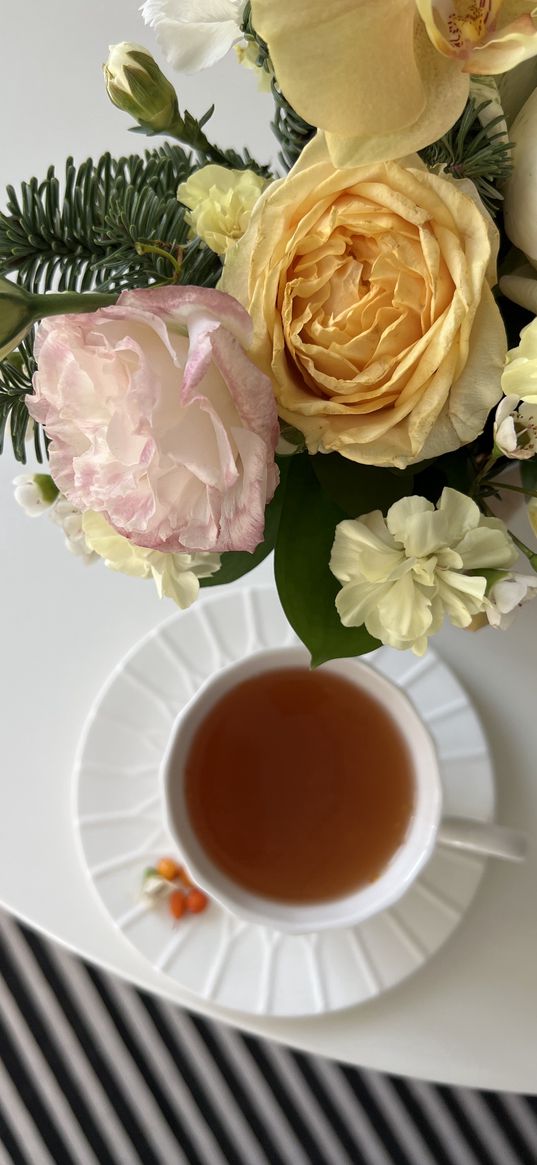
(407, 861)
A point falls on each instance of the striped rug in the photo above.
(93, 1072)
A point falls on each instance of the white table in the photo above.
(470, 1016)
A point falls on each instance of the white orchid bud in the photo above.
(35, 493)
(515, 428)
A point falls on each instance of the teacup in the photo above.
(422, 833)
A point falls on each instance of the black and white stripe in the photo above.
(93, 1072)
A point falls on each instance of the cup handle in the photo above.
(483, 837)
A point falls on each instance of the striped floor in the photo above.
(94, 1072)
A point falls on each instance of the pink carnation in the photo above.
(158, 418)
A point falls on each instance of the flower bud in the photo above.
(17, 315)
(136, 85)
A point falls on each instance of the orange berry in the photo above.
(177, 904)
(185, 878)
(168, 869)
(196, 901)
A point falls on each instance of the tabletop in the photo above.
(469, 1016)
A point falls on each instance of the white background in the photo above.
(470, 1016)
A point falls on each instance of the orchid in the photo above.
(398, 71)
(519, 377)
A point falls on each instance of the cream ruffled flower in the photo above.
(519, 377)
(370, 293)
(515, 428)
(175, 575)
(194, 34)
(395, 73)
(401, 575)
(220, 202)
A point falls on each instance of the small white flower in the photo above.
(70, 520)
(31, 493)
(401, 575)
(515, 428)
(506, 595)
(247, 54)
(194, 34)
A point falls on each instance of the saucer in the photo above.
(219, 958)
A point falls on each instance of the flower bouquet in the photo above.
(333, 358)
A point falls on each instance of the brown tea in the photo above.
(299, 785)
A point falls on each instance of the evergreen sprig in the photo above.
(15, 382)
(87, 234)
(111, 224)
(475, 151)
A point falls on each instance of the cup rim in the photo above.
(347, 910)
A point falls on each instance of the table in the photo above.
(469, 1017)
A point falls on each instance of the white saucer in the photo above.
(235, 964)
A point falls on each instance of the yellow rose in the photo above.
(369, 289)
(219, 203)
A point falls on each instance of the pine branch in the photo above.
(87, 234)
(15, 382)
(292, 132)
(470, 150)
(115, 223)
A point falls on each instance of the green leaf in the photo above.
(306, 586)
(453, 469)
(358, 489)
(236, 562)
(528, 473)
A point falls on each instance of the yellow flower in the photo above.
(175, 575)
(220, 203)
(369, 289)
(395, 73)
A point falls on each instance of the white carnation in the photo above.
(194, 34)
(401, 575)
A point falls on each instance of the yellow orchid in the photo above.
(395, 72)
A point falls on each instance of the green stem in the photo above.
(59, 303)
(197, 140)
(517, 489)
(153, 249)
(530, 554)
(494, 456)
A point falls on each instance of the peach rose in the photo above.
(370, 293)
